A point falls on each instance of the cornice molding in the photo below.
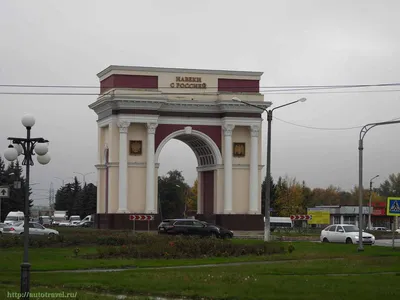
(112, 68)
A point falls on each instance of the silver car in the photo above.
(34, 229)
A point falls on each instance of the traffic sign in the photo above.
(4, 192)
(393, 206)
(300, 217)
(141, 217)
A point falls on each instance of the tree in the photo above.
(391, 186)
(290, 198)
(67, 198)
(16, 201)
(86, 201)
(191, 199)
(171, 189)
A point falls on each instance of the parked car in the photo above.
(14, 216)
(64, 223)
(45, 220)
(345, 233)
(192, 227)
(74, 218)
(34, 229)
(2, 225)
(381, 229)
(86, 224)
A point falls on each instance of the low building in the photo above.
(379, 217)
(342, 214)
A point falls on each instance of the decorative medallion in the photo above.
(239, 149)
(135, 148)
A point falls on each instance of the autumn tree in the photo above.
(290, 197)
(191, 199)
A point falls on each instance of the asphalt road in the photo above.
(387, 243)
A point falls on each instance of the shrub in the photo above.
(187, 247)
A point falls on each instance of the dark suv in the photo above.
(192, 227)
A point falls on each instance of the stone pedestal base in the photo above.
(242, 222)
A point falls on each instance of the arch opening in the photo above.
(204, 148)
(208, 155)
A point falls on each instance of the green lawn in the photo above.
(43, 259)
(290, 280)
(299, 277)
(42, 293)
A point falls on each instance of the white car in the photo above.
(34, 229)
(345, 233)
(64, 224)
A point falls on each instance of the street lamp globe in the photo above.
(41, 148)
(11, 153)
(44, 159)
(28, 120)
(19, 148)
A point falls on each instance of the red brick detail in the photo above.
(164, 130)
(129, 81)
(207, 192)
(238, 85)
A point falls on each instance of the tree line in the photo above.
(76, 199)
(288, 195)
(8, 175)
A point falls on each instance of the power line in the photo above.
(335, 86)
(318, 128)
(325, 128)
(189, 94)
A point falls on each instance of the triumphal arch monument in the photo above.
(140, 109)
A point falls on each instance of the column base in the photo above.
(121, 221)
(253, 212)
(228, 212)
(241, 222)
(123, 211)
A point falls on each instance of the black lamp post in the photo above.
(27, 147)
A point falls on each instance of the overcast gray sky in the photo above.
(292, 42)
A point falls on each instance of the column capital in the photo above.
(151, 128)
(228, 128)
(123, 126)
(255, 130)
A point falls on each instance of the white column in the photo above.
(123, 167)
(228, 128)
(150, 169)
(254, 197)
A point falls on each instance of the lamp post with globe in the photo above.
(27, 147)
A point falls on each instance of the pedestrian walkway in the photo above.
(232, 264)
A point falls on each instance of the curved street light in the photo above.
(84, 176)
(363, 132)
(63, 179)
(267, 205)
(27, 147)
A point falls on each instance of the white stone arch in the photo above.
(200, 135)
